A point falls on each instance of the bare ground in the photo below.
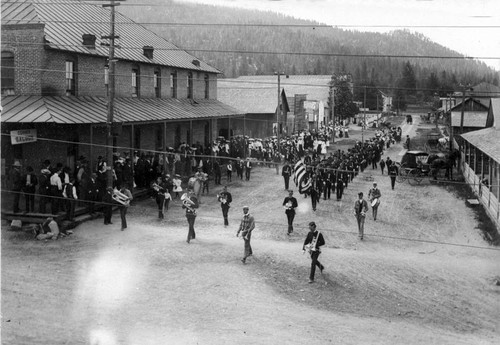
(423, 275)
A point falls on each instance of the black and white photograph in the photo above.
(364, 137)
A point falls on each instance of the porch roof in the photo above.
(486, 140)
(88, 110)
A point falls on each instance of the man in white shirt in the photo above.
(56, 189)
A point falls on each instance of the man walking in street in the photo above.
(290, 204)
(225, 198)
(246, 227)
(382, 165)
(312, 243)
(360, 209)
(374, 193)
(286, 172)
(392, 170)
(124, 207)
(190, 203)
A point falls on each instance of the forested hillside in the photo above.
(272, 42)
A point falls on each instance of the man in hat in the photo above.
(190, 203)
(44, 189)
(393, 172)
(101, 171)
(286, 172)
(92, 192)
(56, 187)
(314, 240)
(360, 209)
(225, 198)
(248, 169)
(17, 184)
(374, 193)
(290, 204)
(246, 227)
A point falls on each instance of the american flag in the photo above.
(301, 178)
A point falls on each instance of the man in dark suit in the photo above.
(360, 209)
(92, 192)
(225, 198)
(286, 172)
(290, 204)
(17, 184)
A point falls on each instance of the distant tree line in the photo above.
(406, 79)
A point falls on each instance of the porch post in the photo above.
(164, 148)
(497, 183)
(489, 181)
(91, 148)
(475, 159)
(132, 143)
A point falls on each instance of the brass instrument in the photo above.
(288, 205)
(120, 197)
(156, 187)
(188, 203)
(222, 198)
(311, 247)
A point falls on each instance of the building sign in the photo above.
(23, 136)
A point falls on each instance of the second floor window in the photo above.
(70, 78)
(190, 85)
(157, 83)
(135, 83)
(8, 74)
(173, 84)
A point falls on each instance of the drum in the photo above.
(375, 202)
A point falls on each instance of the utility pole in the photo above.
(332, 106)
(111, 93)
(278, 112)
(364, 117)
(463, 110)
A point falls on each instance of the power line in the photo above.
(272, 225)
(315, 26)
(127, 148)
(187, 50)
(271, 84)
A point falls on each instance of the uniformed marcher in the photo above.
(312, 243)
(290, 204)
(286, 172)
(225, 200)
(246, 227)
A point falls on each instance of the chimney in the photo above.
(148, 51)
(88, 41)
(196, 63)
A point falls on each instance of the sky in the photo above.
(470, 27)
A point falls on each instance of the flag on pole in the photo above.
(301, 178)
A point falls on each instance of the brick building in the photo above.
(55, 85)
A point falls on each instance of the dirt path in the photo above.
(147, 286)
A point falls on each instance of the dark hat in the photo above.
(360, 194)
(312, 224)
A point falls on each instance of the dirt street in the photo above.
(423, 275)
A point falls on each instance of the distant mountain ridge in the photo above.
(276, 42)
